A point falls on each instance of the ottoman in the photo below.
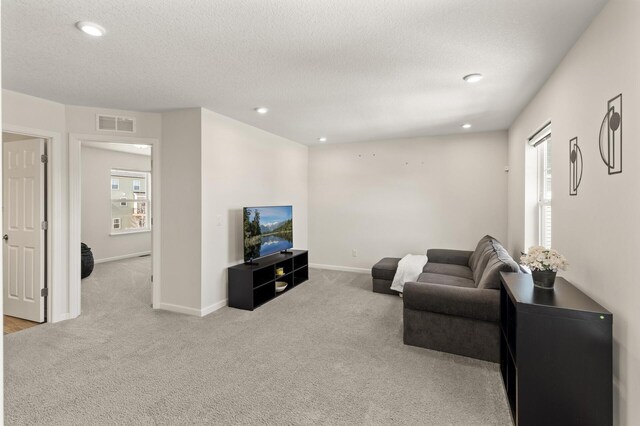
(383, 273)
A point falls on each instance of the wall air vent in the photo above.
(112, 123)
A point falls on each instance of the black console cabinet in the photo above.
(251, 285)
(555, 354)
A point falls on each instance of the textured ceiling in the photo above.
(351, 70)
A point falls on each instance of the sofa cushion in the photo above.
(386, 268)
(448, 269)
(483, 260)
(478, 304)
(483, 244)
(428, 277)
(455, 257)
(500, 261)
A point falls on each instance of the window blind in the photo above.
(544, 191)
(541, 135)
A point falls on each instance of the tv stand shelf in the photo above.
(254, 284)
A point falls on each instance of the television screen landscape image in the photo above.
(267, 230)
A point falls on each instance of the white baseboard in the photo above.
(61, 317)
(124, 256)
(212, 308)
(193, 311)
(180, 309)
(340, 268)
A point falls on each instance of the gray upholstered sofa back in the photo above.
(488, 260)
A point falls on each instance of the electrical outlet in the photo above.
(354, 253)
(219, 220)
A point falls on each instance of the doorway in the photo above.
(76, 142)
(116, 232)
(25, 225)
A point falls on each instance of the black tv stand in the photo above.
(253, 284)
(287, 251)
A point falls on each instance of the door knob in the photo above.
(5, 237)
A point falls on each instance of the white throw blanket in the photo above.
(409, 268)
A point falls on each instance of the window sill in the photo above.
(140, 231)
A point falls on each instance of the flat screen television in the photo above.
(267, 230)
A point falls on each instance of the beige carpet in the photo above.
(327, 352)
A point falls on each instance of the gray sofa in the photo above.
(454, 306)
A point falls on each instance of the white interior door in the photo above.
(24, 213)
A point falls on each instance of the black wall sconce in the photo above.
(575, 166)
(612, 157)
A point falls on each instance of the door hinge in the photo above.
(44, 158)
(151, 278)
(44, 292)
(44, 225)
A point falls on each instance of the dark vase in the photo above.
(87, 260)
(544, 279)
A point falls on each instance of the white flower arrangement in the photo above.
(539, 258)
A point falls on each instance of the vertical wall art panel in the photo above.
(611, 154)
(575, 166)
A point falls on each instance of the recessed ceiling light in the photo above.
(322, 139)
(472, 78)
(466, 126)
(90, 28)
(261, 110)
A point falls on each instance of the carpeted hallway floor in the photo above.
(327, 352)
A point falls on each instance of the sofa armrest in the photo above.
(480, 304)
(454, 257)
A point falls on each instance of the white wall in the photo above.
(96, 204)
(29, 111)
(181, 211)
(597, 230)
(244, 166)
(391, 198)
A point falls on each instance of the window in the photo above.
(538, 197)
(544, 193)
(130, 201)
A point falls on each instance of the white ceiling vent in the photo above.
(112, 123)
